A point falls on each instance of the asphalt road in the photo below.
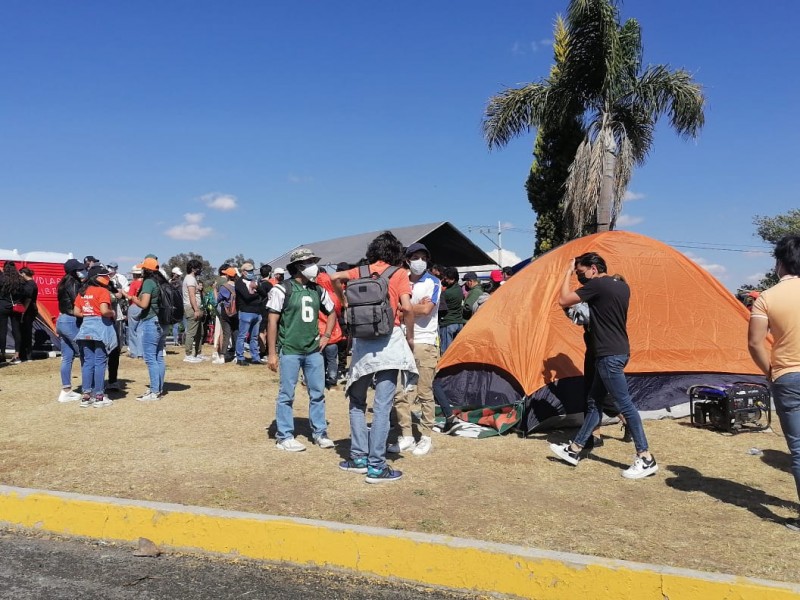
(37, 567)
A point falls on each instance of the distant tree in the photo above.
(771, 229)
(553, 152)
(180, 260)
(238, 260)
(621, 102)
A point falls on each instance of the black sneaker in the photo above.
(242, 363)
(354, 465)
(451, 425)
(594, 442)
(565, 453)
(793, 524)
(387, 474)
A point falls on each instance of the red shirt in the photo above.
(89, 303)
(135, 286)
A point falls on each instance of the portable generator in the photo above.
(740, 406)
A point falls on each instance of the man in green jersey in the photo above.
(294, 341)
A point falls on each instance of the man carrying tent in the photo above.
(608, 300)
(775, 311)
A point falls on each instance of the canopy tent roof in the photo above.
(448, 246)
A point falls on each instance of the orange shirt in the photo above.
(324, 280)
(135, 286)
(89, 303)
(399, 284)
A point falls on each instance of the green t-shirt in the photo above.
(454, 300)
(298, 331)
(150, 287)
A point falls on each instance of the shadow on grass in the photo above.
(777, 460)
(757, 501)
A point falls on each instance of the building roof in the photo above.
(447, 245)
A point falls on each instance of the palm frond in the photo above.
(674, 93)
(582, 189)
(623, 169)
(593, 27)
(630, 49)
(634, 124)
(513, 112)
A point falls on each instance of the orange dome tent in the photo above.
(684, 328)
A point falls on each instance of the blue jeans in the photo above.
(786, 394)
(314, 372)
(67, 329)
(154, 340)
(248, 323)
(371, 442)
(93, 370)
(134, 337)
(447, 334)
(610, 378)
(331, 356)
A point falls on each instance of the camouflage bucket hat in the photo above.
(302, 254)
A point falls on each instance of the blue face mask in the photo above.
(249, 275)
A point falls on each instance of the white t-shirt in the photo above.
(426, 327)
(187, 281)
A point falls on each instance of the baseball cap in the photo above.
(248, 266)
(137, 269)
(97, 271)
(177, 271)
(151, 264)
(302, 254)
(416, 247)
(279, 271)
(112, 265)
(470, 276)
(73, 265)
(230, 272)
(90, 258)
(496, 276)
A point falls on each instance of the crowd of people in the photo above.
(305, 322)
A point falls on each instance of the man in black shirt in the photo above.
(608, 299)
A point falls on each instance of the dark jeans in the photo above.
(442, 399)
(331, 356)
(16, 321)
(113, 356)
(26, 335)
(230, 331)
(786, 394)
(610, 379)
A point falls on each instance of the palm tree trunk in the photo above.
(607, 185)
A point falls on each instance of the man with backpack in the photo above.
(228, 315)
(377, 299)
(293, 312)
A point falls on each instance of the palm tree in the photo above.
(621, 103)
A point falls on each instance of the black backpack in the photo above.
(369, 313)
(170, 304)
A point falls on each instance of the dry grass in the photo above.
(711, 507)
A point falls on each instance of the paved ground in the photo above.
(46, 568)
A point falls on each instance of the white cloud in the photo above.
(190, 229)
(630, 196)
(755, 278)
(293, 178)
(509, 258)
(545, 42)
(628, 220)
(717, 270)
(223, 202)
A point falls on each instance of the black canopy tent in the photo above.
(448, 246)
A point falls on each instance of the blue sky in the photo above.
(225, 127)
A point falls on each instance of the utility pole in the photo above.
(499, 244)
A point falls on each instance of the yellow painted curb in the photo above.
(434, 560)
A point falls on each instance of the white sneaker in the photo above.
(101, 402)
(214, 355)
(290, 445)
(324, 441)
(68, 396)
(86, 402)
(192, 359)
(218, 361)
(149, 397)
(423, 446)
(641, 468)
(405, 442)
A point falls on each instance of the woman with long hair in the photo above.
(67, 324)
(96, 335)
(154, 336)
(12, 297)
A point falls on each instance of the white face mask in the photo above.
(418, 266)
(310, 272)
